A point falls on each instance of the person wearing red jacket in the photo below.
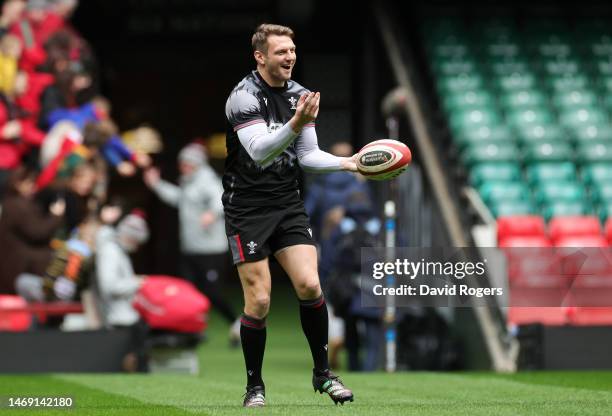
(18, 134)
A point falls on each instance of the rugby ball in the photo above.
(383, 159)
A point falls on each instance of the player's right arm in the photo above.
(243, 111)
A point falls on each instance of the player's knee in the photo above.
(309, 289)
(259, 305)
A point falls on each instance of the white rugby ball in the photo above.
(383, 159)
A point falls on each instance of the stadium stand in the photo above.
(528, 109)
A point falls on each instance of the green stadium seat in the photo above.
(548, 152)
(503, 50)
(529, 116)
(482, 135)
(515, 81)
(467, 100)
(455, 67)
(561, 67)
(597, 173)
(473, 118)
(592, 133)
(581, 117)
(563, 208)
(495, 191)
(505, 208)
(459, 83)
(594, 152)
(557, 191)
(522, 98)
(571, 99)
(490, 152)
(451, 50)
(501, 172)
(567, 83)
(538, 133)
(604, 212)
(552, 171)
(602, 193)
(508, 67)
(554, 50)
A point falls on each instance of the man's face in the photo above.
(280, 57)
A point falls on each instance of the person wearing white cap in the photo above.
(203, 243)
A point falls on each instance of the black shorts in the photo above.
(256, 232)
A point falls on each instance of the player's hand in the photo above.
(151, 177)
(307, 110)
(207, 218)
(349, 163)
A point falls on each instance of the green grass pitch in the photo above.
(219, 387)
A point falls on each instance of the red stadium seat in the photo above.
(573, 226)
(582, 241)
(518, 315)
(609, 230)
(591, 316)
(520, 226)
(525, 241)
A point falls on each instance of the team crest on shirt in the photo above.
(293, 101)
(251, 247)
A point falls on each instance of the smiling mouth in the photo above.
(287, 67)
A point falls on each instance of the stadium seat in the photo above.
(592, 133)
(520, 226)
(492, 191)
(564, 208)
(502, 208)
(591, 316)
(548, 152)
(602, 193)
(503, 171)
(532, 134)
(554, 171)
(519, 315)
(561, 227)
(522, 99)
(595, 152)
(490, 152)
(608, 230)
(582, 241)
(525, 241)
(559, 191)
(596, 173)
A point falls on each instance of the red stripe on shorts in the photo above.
(237, 237)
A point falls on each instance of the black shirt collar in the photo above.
(263, 81)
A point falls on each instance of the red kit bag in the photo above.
(14, 314)
(173, 304)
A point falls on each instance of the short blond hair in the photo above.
(259, 41)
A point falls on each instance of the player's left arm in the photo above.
(313, 159)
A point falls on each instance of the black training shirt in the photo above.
(244, 181)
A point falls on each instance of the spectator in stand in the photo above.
(202, 227)
(25, 230)
(10, 51)
(18, 135)
(117, 283)
(12, 10)
(331, 190)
